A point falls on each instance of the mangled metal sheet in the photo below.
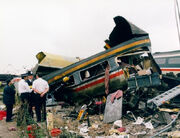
(48, 63)
(113, 110)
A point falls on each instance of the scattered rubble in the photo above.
(151, 115)
(63, 121)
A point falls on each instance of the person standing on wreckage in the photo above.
(40, 88)
(121, 32)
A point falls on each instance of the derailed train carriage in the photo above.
(128, 66)
(169, 61)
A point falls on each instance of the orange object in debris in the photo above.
(80, 115)
(55, 132)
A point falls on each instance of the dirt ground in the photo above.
(5, 131)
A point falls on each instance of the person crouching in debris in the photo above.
(40, 88)
(121, 32)
(9, 99)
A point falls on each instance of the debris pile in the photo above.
(131, 123)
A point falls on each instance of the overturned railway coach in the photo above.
(87, 78)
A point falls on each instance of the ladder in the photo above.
(166, 96)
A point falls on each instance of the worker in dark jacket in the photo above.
(121, 32)
(9, 99)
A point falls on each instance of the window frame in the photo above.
(90, 69)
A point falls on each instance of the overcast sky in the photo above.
(76, 27)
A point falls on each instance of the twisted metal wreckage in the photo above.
(131, 68)
(128, 66)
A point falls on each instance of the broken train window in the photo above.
(93, 71)
(134, 63)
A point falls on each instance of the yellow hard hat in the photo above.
(65, 79)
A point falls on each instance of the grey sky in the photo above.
(76, 27)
